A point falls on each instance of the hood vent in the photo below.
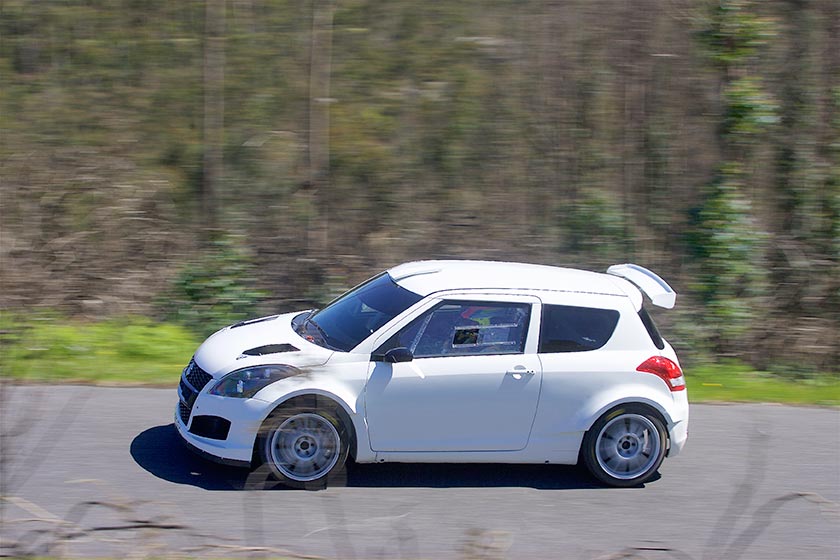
(253, 321)
(270, 349)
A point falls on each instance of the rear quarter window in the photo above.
(566, 328)
(650, 326)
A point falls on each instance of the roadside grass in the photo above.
(137, 351)
(732, 381)
(123, 351)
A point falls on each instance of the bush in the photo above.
(216, 289)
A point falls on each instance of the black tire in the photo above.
(626, 446)
(304, 446)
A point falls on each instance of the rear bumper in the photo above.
(678, 431)
(678, 435)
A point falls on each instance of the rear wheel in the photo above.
(304, 448)
(625, 446)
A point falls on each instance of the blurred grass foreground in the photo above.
(170, 167)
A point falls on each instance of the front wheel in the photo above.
(304, 448)
(625, 446)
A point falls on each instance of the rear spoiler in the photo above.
(659, 292)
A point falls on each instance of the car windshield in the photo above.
(353, 317)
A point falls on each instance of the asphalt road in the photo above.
(100, 471)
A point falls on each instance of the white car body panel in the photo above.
(452, 403)
(222, 351)
(527, 407)
(427, 277)
(488, 405)
(246, 418)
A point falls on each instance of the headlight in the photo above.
(245, 383)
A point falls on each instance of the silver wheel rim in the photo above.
(627, 446)
(305, 447)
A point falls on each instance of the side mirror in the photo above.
(397, 355)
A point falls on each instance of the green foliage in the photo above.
(734, 32)
(215, 289)
(125, 350)
(725, 238)
(729, 249)
(749, 109)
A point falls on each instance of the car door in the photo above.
(472, 385)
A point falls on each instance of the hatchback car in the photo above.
(447, 361)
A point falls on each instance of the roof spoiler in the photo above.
(659, 292)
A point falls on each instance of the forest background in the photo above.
(170, 167)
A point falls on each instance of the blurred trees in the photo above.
(727, 239)
(325, 140)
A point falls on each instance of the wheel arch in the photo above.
(319, 399)
(643, 403)
(595, 409)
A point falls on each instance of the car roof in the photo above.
(427, 277)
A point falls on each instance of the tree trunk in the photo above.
(319, 122)
(214, 110)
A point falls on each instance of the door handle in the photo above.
(519, 371)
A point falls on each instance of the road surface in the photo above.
(100, 471)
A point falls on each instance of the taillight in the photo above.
(666, 369)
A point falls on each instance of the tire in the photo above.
(304, 447)
(626, 446)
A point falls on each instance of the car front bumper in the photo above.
(245, 417)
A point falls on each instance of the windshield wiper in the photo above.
(321, 331)
(300, 328)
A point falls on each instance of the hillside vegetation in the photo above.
(199, 161)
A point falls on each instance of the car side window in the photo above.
(566, 328)
(457, 328)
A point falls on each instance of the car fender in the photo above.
(591, 410)
(346, 395)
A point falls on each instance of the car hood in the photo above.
(267, 340)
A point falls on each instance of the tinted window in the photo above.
(651, 328)
(457, 328)
(362, 311)
(575, 329)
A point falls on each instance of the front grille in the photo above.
(188, 394)
(196, 376)
(193, 380)
(184, 412)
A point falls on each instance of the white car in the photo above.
(447, 361)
